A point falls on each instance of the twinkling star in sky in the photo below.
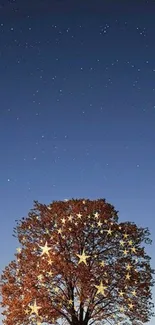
(77, 113)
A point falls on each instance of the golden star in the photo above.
(128, 267)
(102, 263)
(128, 276)
(96, 215)
(70, 301)
(40, 277)
(125, 252)
(130, 242)
(126, 235)
(133, 249)
(19, 250)
(83, 257)
(50, 273)
(100, 288)
(63, 220)
(121, 293)
(56, 289)
(109, 231)
(50, 262)
(130, 306)
(79, 215)
(70, 218)
(99, 223)
(34, 308)
(45, 249)
(134, 293)
(59, 231)
(122, 242)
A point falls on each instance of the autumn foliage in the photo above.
(77, 263)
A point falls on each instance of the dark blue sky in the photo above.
(77, 108)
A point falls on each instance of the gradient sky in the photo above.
(77, 108)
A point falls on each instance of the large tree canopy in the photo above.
(77, 263)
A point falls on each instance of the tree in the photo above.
(77, 264)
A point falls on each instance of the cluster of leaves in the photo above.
(77, 263)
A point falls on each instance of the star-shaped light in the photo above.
(59, 231)
(40, 277)
(129, 266)
(100, 289)
(109, 231)
(133, 249)
(96, 215)
(125, 252)
(102, 263)
(122, 242)
(19, 250)
(130, 242)
(130, 305)
(70, 301)
(128, 276)
(79, 215)
(121, 293)
(63, 220)
(34, 308)
(99, 223)
(70, 218)
(126, 235)
(45, 249)
(83, 257)
(134, 293)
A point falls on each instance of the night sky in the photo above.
(77, 108)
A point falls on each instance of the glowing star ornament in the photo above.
(45, 249)
(128, 276)
(99, 224)
(130, 306)
(109, 232)
(133, 250)
(70, 218)
(125, 252)
(134, 293)
(34, 308)
(63, 220)
(121, 293)
(19, 250)
(79, 215)
(100, 289)
(96, 215)
(128, 267)
(122, 242)
(102, 263)
(83, 258)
